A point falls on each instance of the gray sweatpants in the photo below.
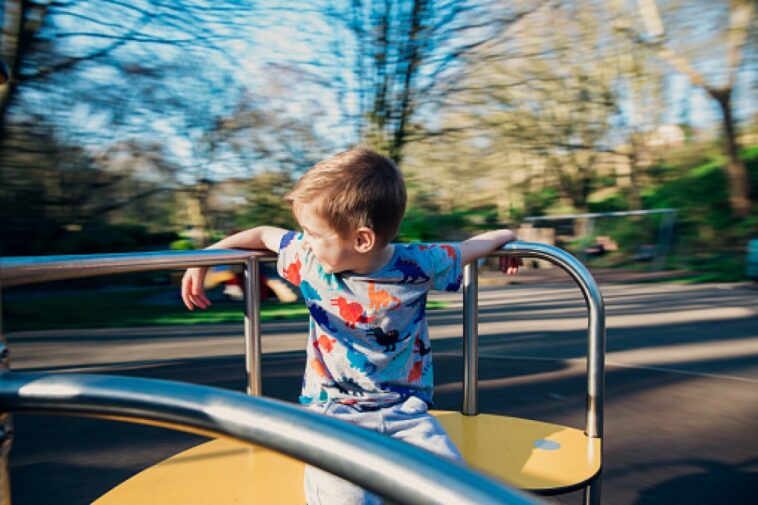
(408, 421)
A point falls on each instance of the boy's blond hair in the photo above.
(353, 189)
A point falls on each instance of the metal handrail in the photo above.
(17, 271)
(29, 270)
(20, 270)
(595, 327)
(393, 469)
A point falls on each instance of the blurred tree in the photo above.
(265, 201)
(116, 84)
(51, 188)
(45, 39)
(263, 141)
(401, 58)
(535, 108)
(734, 36)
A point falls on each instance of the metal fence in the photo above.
(371, 462)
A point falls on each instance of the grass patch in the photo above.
(132, 308)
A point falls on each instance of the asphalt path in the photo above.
(681, 397)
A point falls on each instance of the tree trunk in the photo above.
(635, 199)
(739, 183)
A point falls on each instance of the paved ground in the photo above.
(681, 397)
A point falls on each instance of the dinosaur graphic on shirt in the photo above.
(320, 316)
(309, 292)
(348, 386)
(286, 239)
(450, 250)
(420, 314)
(381, 298)
(398, 365)
(292, 271)
(388, 339)
(421, 303)
(411, 271)
(415, 374)
(420, 348)
(358, 360)
(453, 286)
(324, 343)
(318, 366)
(332, 280)
(351, 312)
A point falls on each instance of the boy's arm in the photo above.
(481, 245)
(261, 237)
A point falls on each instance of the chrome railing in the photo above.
(388, 467)
(29, 270)
(16, 271)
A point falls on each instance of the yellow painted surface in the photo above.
(221, 471)
(505, 447)
(227, 471)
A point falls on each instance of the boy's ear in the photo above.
(365, 239)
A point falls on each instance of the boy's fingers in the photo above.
(513, 264)
(199, 293)
(193, 294)
(186, 286)
(509, 264)
(204, 300)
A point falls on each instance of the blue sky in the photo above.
(295, 31)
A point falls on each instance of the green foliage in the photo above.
(133, 307)
(265, 202)
(537, 203)
(126, 308)
(708, 238)
(181, 244)
(614, 203)
(425, 225)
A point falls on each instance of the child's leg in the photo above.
(323, 488)
(410, 422)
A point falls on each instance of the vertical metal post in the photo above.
(591, 495)
(584, 240)
(665, 231)
(6, 426)
(253, 327)
(470, 338)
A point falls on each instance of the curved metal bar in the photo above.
(15, 271)
(253, 346)
(471, 339)
(388, 467)
(596, 326)
(30, 270)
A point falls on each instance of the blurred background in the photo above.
(156, 124)
(625, 131)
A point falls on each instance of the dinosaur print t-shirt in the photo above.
(368, 342)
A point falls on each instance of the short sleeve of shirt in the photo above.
(445, 266)
(291, 256)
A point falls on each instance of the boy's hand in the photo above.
(509, 264)
(193, 293)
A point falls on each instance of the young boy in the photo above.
(368, 354)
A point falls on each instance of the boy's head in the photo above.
(354, 189)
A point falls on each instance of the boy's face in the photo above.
(334, 252)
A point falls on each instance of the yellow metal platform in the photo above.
(528, 454)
